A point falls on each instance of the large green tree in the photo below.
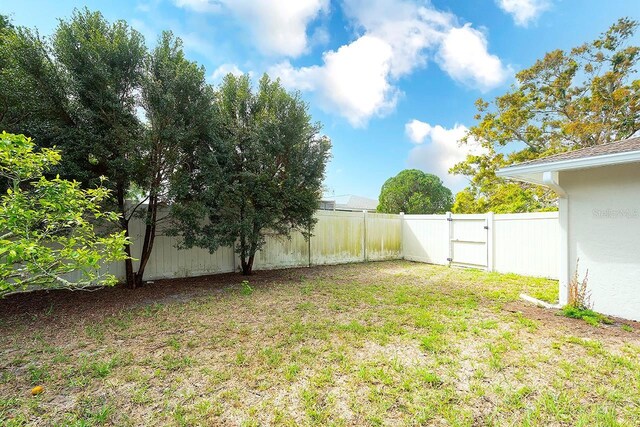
(78, 92)
(262, 174)
(178, 105)
(414, 192)
(567, 100)
(102, 66)
(48, 227)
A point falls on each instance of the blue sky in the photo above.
(392, 81)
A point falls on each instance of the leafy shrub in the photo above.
(48, 227)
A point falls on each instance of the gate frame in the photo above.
(488, 243)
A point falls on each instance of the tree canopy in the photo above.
(246, 163)
(48, 227)
(262, 173)
(78, 92)
(414, 192)
(567, 100)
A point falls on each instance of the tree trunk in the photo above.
(130, 276)
(247, 266)
(246, 256)
(149, 238)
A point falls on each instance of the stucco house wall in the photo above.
(603, 217)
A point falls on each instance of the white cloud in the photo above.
(441, 152)
(408, 27)
(225, 69)
(352, 80)
(395, 37)
(463, 55)
(524, 11)
(278, 27)
(417, 131)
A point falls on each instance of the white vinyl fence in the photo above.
(517, 243)
(338, 237)
(525, 244)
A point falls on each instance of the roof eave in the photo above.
(533, 173)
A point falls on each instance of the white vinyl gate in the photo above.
(468, 240)
(526, 244)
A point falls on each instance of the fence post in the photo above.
(490, 223)
(364, 235)
(450, 237)
(309, 245)
(401, 235)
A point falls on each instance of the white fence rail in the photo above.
(516, 243)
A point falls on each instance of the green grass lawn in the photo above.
(391, 343)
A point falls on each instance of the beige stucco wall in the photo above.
(603, 211)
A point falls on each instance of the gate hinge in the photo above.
(486, 227)
(450, 259)
(449, 219)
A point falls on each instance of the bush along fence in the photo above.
(514, 243)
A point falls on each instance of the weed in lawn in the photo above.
(152, 310)
(271, 356)
(530, 324)
(433, 343)
(141, 395)
(101, 369)
(316, 406)
(174, 343)
(516, 400)
(291, 371)
(38, 374)
(586, 314)
(428, 377)
(306, 306)
(100, 415)
(245, 288)
(175, 363)
(95, 332)
(580, 305)
(241, 358)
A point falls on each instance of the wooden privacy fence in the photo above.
(517, 243)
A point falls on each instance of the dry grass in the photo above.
(392, 343)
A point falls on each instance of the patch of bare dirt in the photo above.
(553, 319)
(62, 305)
